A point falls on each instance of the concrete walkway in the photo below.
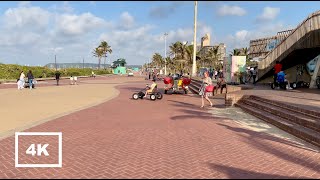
(21, 109)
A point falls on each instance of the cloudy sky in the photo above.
(33, 32)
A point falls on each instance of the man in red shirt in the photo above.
(277, 68)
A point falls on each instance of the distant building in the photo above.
(205, 47)
(259, 48)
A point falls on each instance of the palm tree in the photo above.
(240, 52)
(157, 60)
(98, 52)
(120, 62)
(213, 57)
(175, 49)
(106, 49)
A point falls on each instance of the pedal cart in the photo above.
(153, 96)
(280, 82)
(176, 84)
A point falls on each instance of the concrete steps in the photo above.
(294, 120)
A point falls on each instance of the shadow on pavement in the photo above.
(236, 173)
(255, 138)
(263, 135)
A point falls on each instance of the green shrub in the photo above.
(12, 71)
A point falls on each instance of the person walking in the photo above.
(211, 72)
(71, 80)
(215, 74)
(21, 80)
(254, 74)
(57, 77)
(75, 80)
(30, 79)
(204, 93)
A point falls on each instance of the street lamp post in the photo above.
(165, 53)
(194, 65)
(55, 61)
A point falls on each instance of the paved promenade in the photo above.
(168, 138)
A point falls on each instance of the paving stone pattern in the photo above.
(168, 138)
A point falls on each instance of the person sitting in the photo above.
(281, 77)
(151, 88)
(221, 84)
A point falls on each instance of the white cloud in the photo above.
(268, 14)
(26, 17)
(242, 35)
(24, 3)
(226, 10)
(127, 21)
(66, 7)
(242, 38)
(78, 24)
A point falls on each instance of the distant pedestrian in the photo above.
(221, 84)
(57, 77)
(71, 80)
(211, 72)
(75, 79)
(93, 75)
(215, 74)
(254, 75)
(21, 80)
(30, 79)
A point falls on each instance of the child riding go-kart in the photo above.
(281, 82)
(176, 83)
(149, 90)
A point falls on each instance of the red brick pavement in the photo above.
(168, 138)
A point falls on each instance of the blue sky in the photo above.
(32, 32)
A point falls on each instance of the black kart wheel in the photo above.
(153, 97)
(159, 95)
(135, 96)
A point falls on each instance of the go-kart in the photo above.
(176, 84)
(281, 85)
(153, 95)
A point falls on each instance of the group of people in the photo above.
(21, 80)
(215, 73)
(153, 74)
(251, 73)
(31, 81)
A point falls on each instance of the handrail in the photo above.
(281, 47)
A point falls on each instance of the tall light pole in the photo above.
(165, 53)
(194, 65)
(55, 61)
(82, 62)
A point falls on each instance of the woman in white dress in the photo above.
(205, 82)
(21, 80)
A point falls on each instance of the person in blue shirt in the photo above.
(280, 77)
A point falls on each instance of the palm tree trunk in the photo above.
(99, 63)
(105, 62)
